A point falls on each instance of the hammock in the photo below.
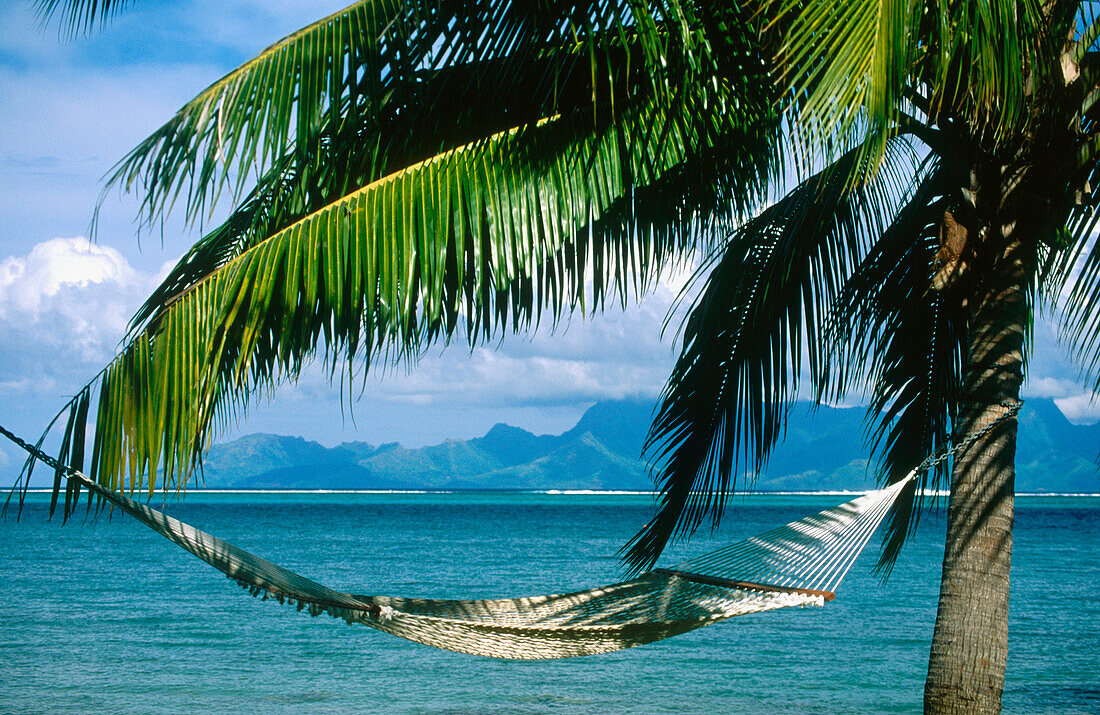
(799, 564)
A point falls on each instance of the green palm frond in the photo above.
(898, 327)
(1086, 40)
(254, 113)
(765, 301)
(846, 65)
(475, 240)
(341, 157)
(398, 62)
(345, 153)
(854, 69)
(461, 196)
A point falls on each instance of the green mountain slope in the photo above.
(582, 462)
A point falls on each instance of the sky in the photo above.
(69, 109)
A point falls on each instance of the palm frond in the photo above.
(341, 157)
(80, 16)
(403, 63)
(470, 197)
(845, 65)
(765, 302)
(473, 241)
(1085, 40)
(1073, 278)
(984, 60)
(902, 331)
(345, 153)
(232, 128)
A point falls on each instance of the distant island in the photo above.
(824, 450)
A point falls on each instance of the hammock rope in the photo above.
(798, 564)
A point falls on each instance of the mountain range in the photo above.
(824, 449)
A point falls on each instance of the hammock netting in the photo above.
(799, 564)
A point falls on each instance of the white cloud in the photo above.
(1082, 408)
(63, 309)
(495, 377)
(1053, 375)
(610, 356)
(1051, 387)
(30, 284)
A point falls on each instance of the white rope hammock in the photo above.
(800, 564)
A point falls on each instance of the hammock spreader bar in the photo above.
(729, 583)
(656, 605)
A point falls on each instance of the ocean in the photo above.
(106, 615)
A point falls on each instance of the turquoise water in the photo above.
(106, 615)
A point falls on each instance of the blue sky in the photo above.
(70, 109)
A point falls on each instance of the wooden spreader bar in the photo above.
(729, 583)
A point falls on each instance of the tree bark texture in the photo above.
(969, 652)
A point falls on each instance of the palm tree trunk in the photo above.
(966, 667)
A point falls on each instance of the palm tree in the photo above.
(408, 174)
